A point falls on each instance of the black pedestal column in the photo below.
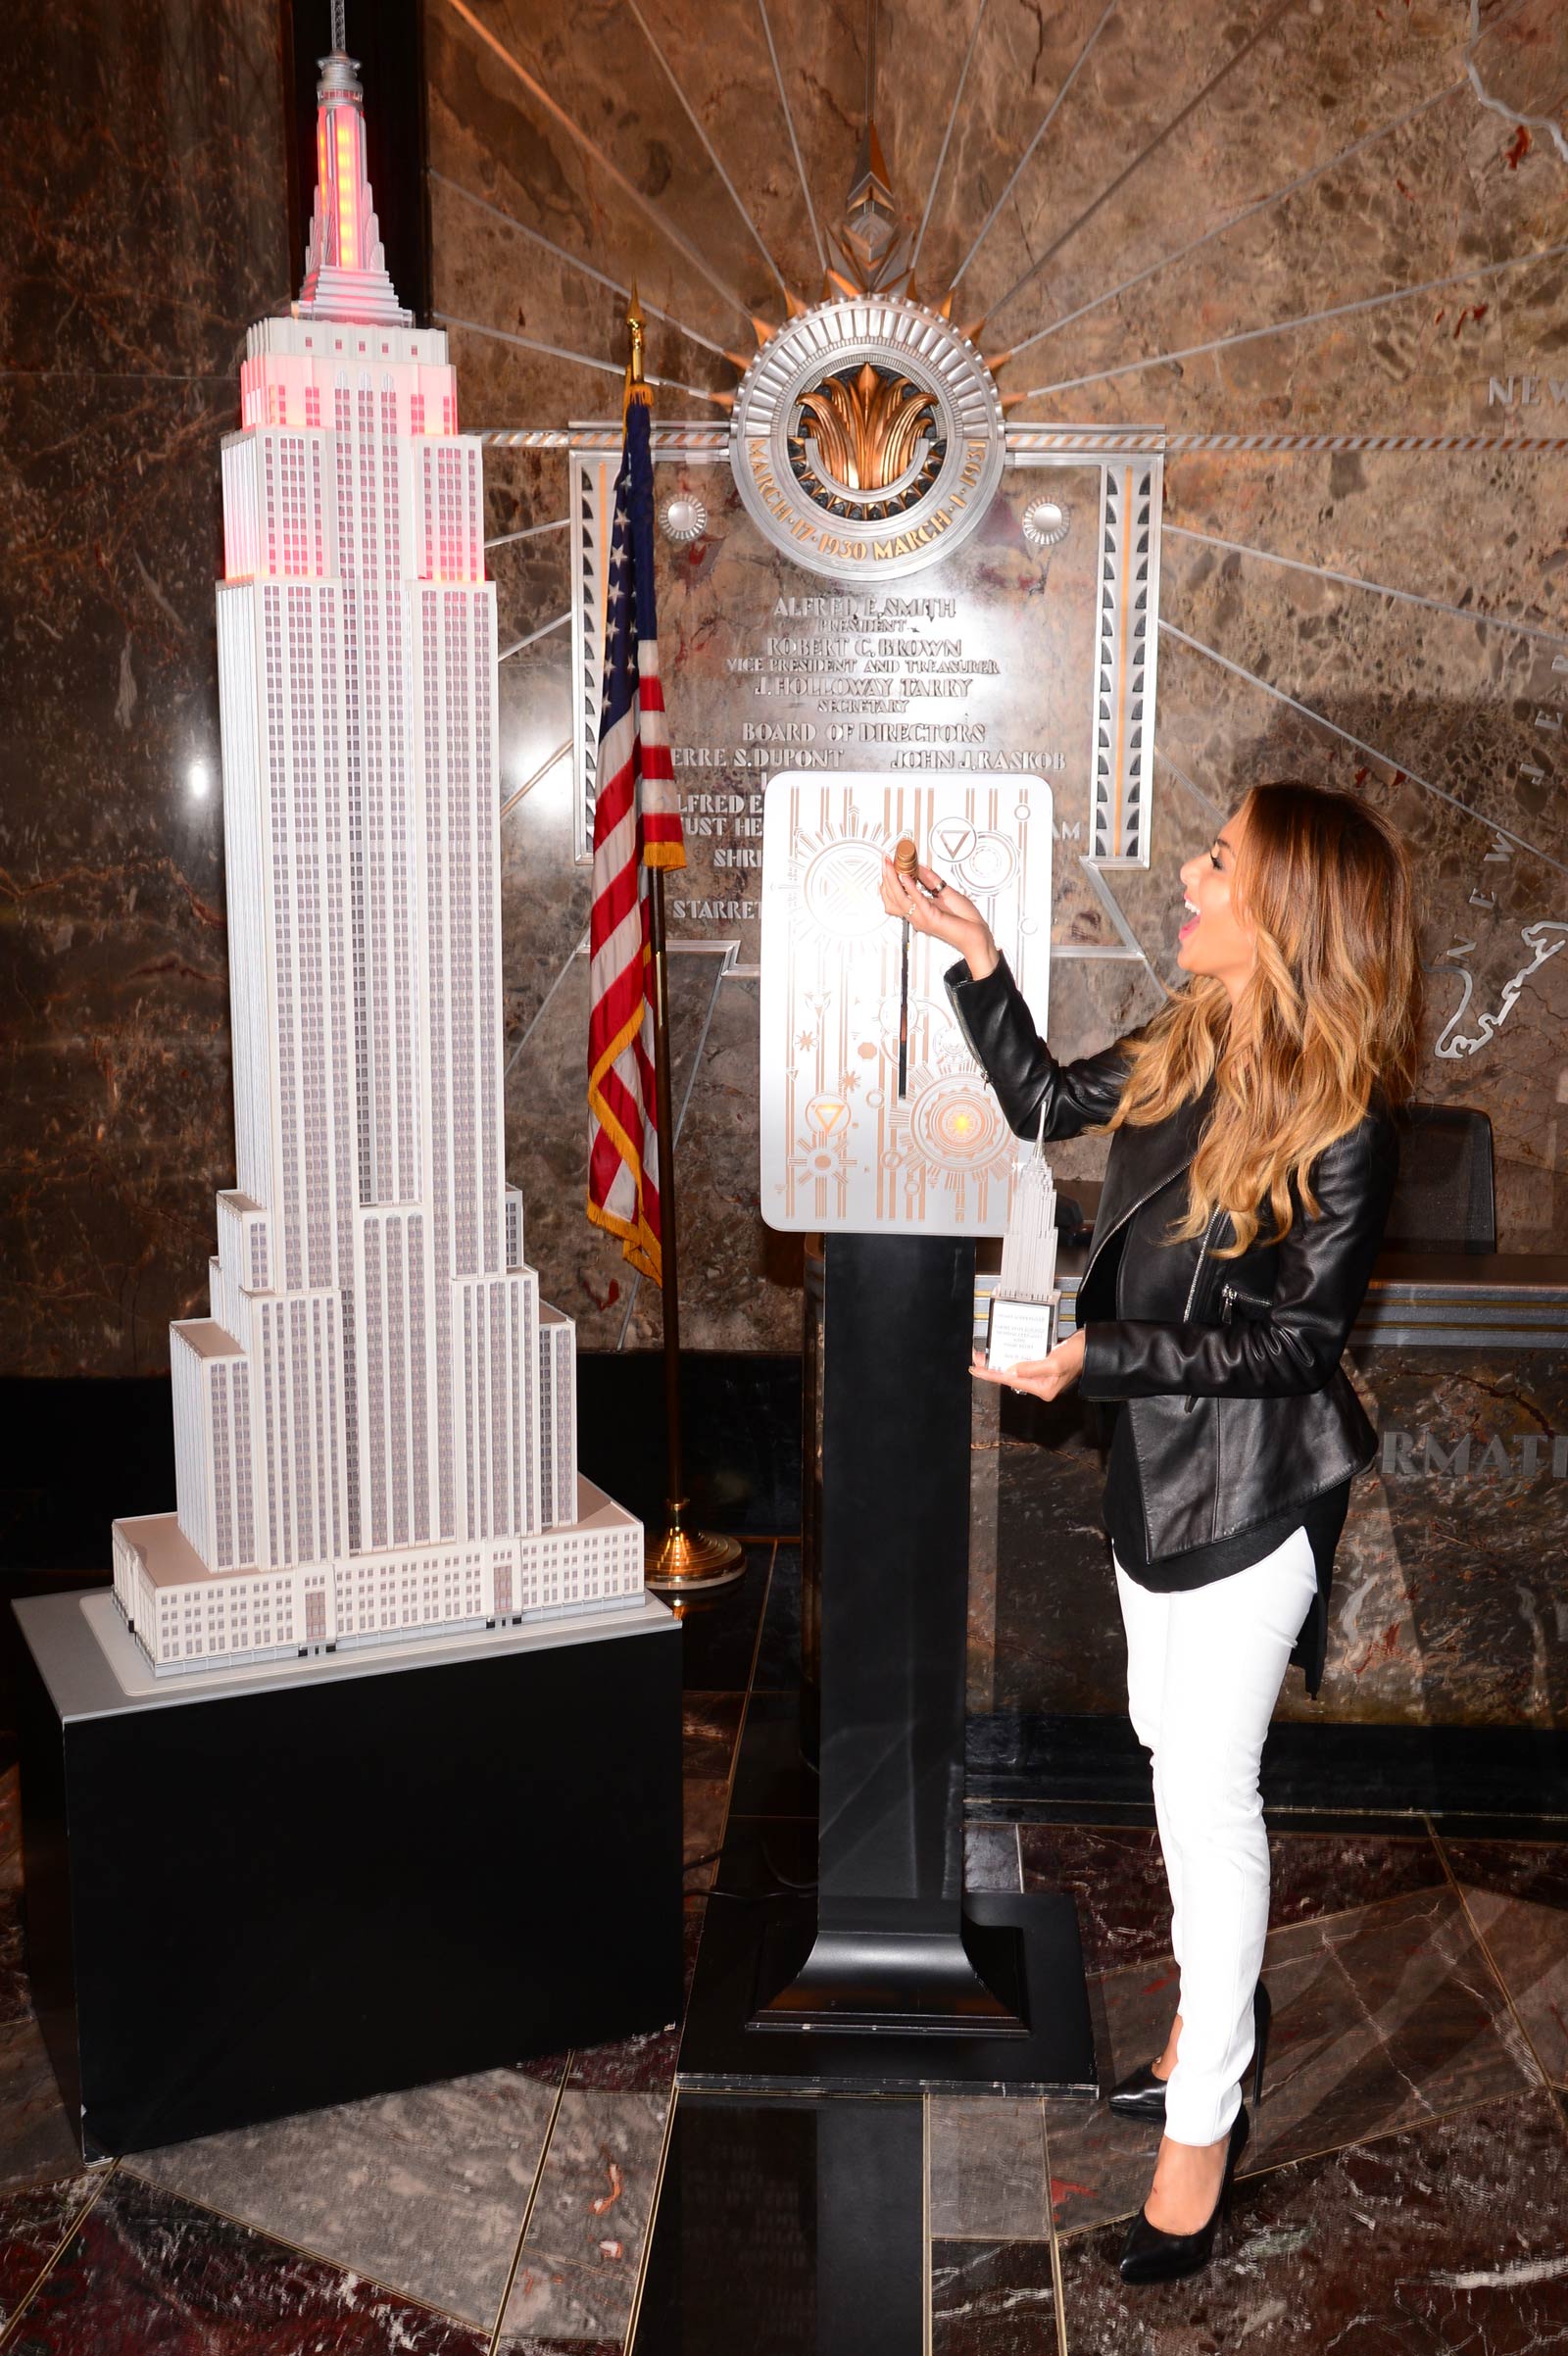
(887, 1976)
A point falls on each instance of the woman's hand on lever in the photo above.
(943, 912)
(1043, 1378)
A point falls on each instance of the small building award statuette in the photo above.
(1026, 1305)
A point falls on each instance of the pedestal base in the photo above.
(728, 2046)
(270, 1889)
(892, 1965)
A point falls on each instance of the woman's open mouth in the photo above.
(1192, 919)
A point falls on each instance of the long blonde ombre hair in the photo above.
(1331, 1006)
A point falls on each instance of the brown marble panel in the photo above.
(578, 2260)
(1473, 530)
(1384, 2016)
(36, 2144)
(1499, 1045)
(1465, 687)
(1516, 1894)
(1138, 75)
(720, 60)
(145, 149)
(1436, 196)
(117, 1049)
(10, 1830)
(1466, 1595)
(1236, 149)
(581, 1268)
(1520, 57)
(1434, 207)
(1445, 2236)
(1232, 157)
(991, 2298)
(16, 1993)
(1117, 1879)
(1021, 64)
(988, 2169)
(33, 2226)
(1441, 1610)
(145, 227)
(491, 134)
(146, 2270)
(423, 2191)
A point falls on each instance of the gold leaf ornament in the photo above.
(866, 428)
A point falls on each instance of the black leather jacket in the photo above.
(1236, 1399)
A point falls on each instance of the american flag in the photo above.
(636, 826)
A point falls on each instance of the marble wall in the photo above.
(1338, 233)
(144, 227)
(1446, 1606)
(1324, 228)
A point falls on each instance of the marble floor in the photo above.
(1406, 2188)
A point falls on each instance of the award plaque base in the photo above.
(881, 1974)
(1019, 1330)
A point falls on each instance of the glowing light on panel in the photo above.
(347, 225)
(199, 781)
(345, 264)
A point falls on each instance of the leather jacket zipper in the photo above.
(1191, 1293)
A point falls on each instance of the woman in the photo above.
(1252, 1158)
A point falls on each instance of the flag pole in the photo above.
(677, 1559)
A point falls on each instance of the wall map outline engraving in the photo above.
(1535, 936)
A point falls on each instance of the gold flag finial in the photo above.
(636, 385)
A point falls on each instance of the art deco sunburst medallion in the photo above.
(867, 434)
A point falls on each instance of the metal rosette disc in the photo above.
(1045, 522)
(683, 519)
(817, 516)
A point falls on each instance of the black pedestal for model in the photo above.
(254, 1897)
(887, 1976)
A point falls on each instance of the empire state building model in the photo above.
(374, 1428)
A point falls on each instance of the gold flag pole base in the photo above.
(677, 1560)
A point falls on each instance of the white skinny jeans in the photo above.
(1203, 1672)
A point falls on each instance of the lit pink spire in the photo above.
(345, 264)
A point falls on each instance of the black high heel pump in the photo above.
(1141, 2095)
(1150, 2255)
